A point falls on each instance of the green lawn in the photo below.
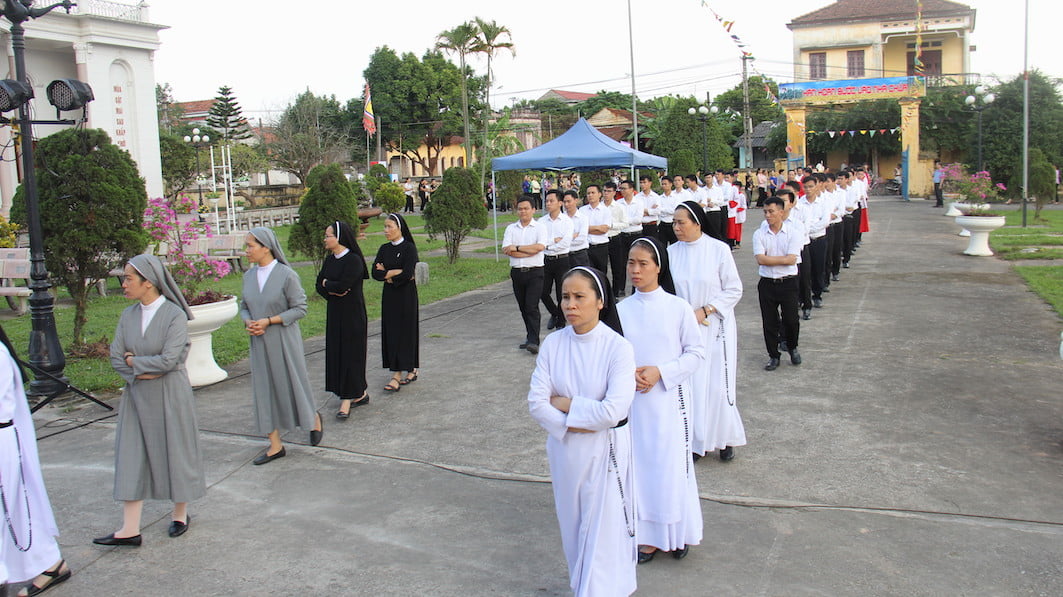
(230, 342)
(1046, 281)
(1038, 241)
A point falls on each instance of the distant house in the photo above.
(761, 157)
(194, 113)
(568, 97)
(616, 123)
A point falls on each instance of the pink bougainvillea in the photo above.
(189, 266)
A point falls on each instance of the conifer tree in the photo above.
(226, 116)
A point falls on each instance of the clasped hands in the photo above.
(344, 293)
(128, 356)
(256, 327)
(646, 377)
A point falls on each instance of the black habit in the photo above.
(399, 327)
(346, 325)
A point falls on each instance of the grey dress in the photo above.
(156, 447)
(283, 398)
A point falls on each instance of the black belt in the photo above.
(778, 280)
(554, 257)
(526, 269)
(7, 424)
(620, 424)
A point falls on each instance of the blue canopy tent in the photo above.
(581, 147)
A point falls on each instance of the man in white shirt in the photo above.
(409, 189)
(524, 243)
(849, 222)
(669, 200)
(798, 212)
(555, 257)
(577, 251)
(836, 199)
(634, 211)
(599, 220)
(651, 206)
(861, 181)
(617, 249)
(817, 219)
(776, 247)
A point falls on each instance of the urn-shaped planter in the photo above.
(202, 369)
(980, 227)
(954, 208)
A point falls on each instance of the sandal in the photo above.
(393, 388)
(55, 577)
(363, 400)
(409, 379)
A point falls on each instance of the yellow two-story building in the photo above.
(855, 40)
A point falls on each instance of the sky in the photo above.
(269, 51)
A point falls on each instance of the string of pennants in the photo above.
(870, 132)
(727, 25)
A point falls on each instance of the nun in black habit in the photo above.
(394, 265)
(346, 325)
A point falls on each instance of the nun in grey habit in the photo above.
(156, 448)
(273, 302)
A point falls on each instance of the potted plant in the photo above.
(954, 175)
(977, 216)
(182, 246)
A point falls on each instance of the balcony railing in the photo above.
(953, 79)
(114, 10)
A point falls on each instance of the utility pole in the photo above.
(634, 100)
(747, 123)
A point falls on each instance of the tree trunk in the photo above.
(79, 291)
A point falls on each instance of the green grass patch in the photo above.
(1013, 241)
(1019, 254)
(1046, 281)
(230, 341)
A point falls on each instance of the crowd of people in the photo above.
(157, 451)
(637, 383)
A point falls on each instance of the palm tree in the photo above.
(488, 42)
(461, 40)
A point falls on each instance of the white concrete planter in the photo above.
(980, 227)
(953, 209)
(202, 369)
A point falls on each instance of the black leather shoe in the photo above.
(728, 453)
(817, 303)
(834, 277)
(806, 314)
(533, 348)
(772, 365)
(646, 557)
(845, 265)
(679, 554)
(133, 541)
(795, 357)
(523, 345)
(317, 434)
(826, 289)
(265, 457)
(783, 347)
(178, 528)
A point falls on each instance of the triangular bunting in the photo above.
(852, 133)
(873, 133)
(863, 131)
(831, 133)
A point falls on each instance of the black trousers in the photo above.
(554, 269)
(581, 257)
(599, 255)
(849, 228)
(834, 250)
(651, 230)
(804, 279)
(779, 298)
(938, 196)
(717, 223)
(666, 234)
(817, 252)
(409, 204)
(618, 262)
(527, 288)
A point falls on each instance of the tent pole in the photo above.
(494, 210)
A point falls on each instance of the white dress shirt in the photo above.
(651, 205)
(817, 216)
(597, 216)
(619, 220)
(579, 231)
(634, 214)
(518, 236)
(559, 234)
(666, 206)
(787, 241)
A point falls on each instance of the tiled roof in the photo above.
(196, 107)
(578, 96)
(860, 10)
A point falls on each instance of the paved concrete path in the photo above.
(917, 451)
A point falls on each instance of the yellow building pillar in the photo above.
(795, 136)
(918, 176)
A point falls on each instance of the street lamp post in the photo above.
(702, 114)
(198, 142)
(45, 352)
(978, 102)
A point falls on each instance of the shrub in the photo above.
(391, 197)
(456, 209)
(328, 198)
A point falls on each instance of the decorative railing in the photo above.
(114, 10)
(953, 79)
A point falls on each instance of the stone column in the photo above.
(82, 55)
(917, 175)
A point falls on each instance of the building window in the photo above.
(817, 65)
(931, 63)
(855, 63)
